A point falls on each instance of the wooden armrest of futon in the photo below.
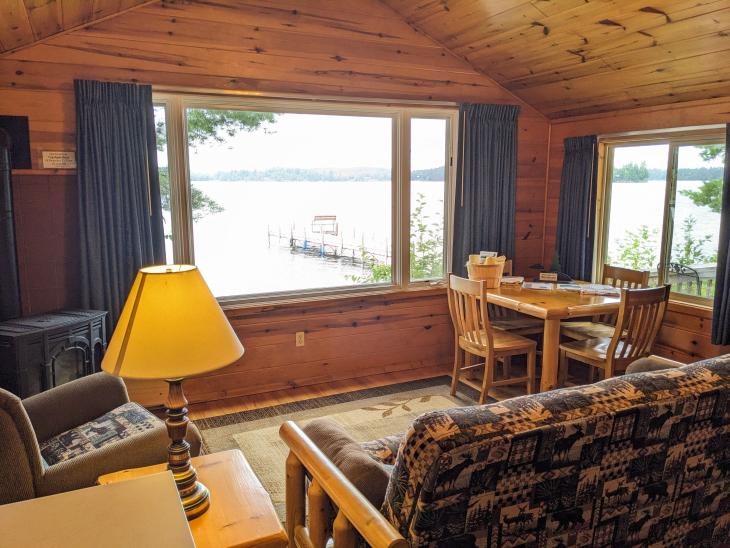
(328, 483)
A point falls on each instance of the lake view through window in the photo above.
(282, 202)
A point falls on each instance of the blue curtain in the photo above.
(486, 175)
(577, 210)
(721, 308)
(119, 190)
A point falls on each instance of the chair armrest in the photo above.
(666, 361)
(74, 403)
(354, 510)
(652, 363)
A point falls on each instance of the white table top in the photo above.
(144, 512)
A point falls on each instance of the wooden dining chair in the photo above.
(505, 319)
(475, 337)
(640, 316)
(603, 326)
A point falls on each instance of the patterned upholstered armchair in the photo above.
(642, 459)
(65, 438)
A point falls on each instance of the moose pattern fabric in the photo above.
(638, 460)
(117, 424)
(384, 449)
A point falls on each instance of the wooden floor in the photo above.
(258, 401)
(277, 397)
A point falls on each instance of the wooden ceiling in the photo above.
(571, 57)
(564, 57)
(24, 22)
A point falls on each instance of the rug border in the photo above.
(230, 419)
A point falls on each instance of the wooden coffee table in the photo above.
(240, 513)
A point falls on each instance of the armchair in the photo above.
(66, 437)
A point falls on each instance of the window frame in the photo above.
(176, 104)
(674, 138)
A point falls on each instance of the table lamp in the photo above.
(171, 328)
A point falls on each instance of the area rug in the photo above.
(366, 414)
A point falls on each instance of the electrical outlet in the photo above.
(300, 338)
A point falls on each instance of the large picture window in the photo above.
(662, 210)
(278, 197)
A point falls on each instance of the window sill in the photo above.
(693, 307)
(415, 290)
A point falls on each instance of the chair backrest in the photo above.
(500, 312)
(468, 308)
(20, 457)
(624, 278)
(635, 460)
(640, 316)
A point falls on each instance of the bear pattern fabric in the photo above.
(638, 460)
(122, 422)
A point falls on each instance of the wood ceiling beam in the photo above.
(460, 58)
(74, 28)
(569, 56)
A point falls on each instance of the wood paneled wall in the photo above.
(46, 221)
(344, 339)
(686, 332)
(272, 46)
(353, 48)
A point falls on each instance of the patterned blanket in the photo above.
(634, 460)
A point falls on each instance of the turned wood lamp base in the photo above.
(194, 495)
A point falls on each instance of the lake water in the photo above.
(636, 204)
(237, 256)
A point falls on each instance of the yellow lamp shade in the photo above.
(171, 327)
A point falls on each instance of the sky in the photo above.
(655, 156)
(319, 141)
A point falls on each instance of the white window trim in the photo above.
(675, 138)
(401, 113)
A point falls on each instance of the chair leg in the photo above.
(488, 375)
(506, 365)
(563, 368)
(591, 374)
(531, 359)
(469, 360)
(458, 361)
(608, 369)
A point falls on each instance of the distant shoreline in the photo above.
(318, 174)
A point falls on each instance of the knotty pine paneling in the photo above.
(316, 47)
(344, 338)
(571, 57)
(27, 21)
(685, 334)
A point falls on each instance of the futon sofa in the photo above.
(66, 437)
(642, 459)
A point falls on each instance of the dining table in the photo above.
(552, 306)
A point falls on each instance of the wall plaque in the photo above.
(59, 159)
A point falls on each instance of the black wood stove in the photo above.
(40, 352)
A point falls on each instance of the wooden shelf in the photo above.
(44, 172)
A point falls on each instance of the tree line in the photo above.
(639, 173)
(317, 174)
